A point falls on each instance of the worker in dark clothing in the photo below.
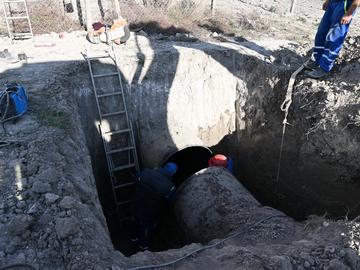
(222, 161)
(155, 189)
(331, 35)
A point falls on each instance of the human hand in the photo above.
(346, 19)
(325, 5)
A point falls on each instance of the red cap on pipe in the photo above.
(218, 161)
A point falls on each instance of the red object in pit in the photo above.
(218, 161)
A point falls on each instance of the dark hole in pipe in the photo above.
(189, 160)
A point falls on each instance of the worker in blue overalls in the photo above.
(331, 35)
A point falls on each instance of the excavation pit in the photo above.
(182, 98)
(227, 100)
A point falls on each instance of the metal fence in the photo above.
(68, 15)
(45, 15)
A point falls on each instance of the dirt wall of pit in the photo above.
(319, 171)
(50, 213)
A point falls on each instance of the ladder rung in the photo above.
(125, 185)
(110, 94)
(112, 114)
(120, 150)
(27, 33)
(124, 202)
(17, 17)
(120, 168)
(105, 75)
(116, 131)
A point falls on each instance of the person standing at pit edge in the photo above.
(331, 35)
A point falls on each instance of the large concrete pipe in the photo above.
(212, 203)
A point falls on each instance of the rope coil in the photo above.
(3, 95)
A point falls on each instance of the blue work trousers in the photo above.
(330, 36)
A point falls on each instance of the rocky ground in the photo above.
(322, 130)
(49, 205)
(50, 215)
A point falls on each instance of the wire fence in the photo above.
(45, 16)
(48, 16)
(67, 15)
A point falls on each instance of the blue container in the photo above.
(18, 101)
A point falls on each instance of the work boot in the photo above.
(311, 64)
(317, 73)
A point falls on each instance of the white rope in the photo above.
(4, 95)
(285, 108)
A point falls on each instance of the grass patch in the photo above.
(182, 10)
(188, 16)
(54, 118)
(153, 16)
(169, 19)
(48, 16)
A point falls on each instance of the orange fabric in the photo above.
(118, 23)
(117, 30)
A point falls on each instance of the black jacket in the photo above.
(154, 190)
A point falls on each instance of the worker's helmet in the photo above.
(218, 161)
(170, 168)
